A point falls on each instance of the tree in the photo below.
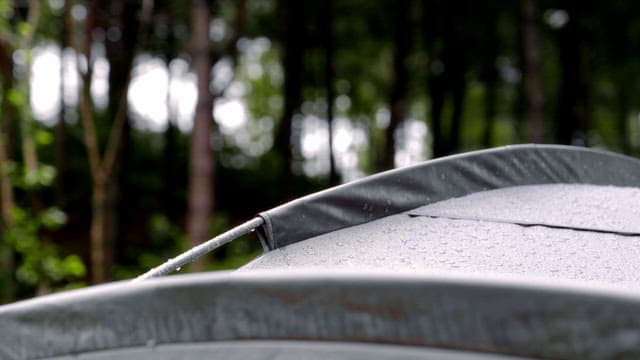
(201, 168)
(572, 117)
(61, 126)
(489, 74)
(102, 164)
(293, 40)
(399, 81)
(329, 75)
(532, 82)
(447, 68)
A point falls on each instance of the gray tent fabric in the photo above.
(403, 189)
(284, 350)
(556, 231)
(607, 209)
(498, 315)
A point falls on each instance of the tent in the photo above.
(519, 251)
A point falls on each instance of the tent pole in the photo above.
(202, 249)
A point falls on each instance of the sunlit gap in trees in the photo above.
(159, 93)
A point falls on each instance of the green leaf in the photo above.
(43, 137)
(46, 175)
(16, 98)
(24, 29)
(53, 218)
(73, 266)
(30, 179)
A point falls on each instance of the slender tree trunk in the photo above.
(455, 65)
(624, 87)
(61, 128)
(8, 113)
(572, 111)
(99, 259)
(6, 189)
(202, 166)
(532, 78)
(120, 55)
(29, 153)
(490, 77)
(6, 212)
(437, 87)
(399, 80)
(61, 151)
(170, 170)
(293, 67)
(432, 33)
(7, 203)
(104, 166)
(459, 86)
(490, 108)
(329, 76)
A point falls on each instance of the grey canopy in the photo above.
(407, 188)
(519, 251)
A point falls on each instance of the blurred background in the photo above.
(133, 130)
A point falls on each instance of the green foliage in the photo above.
(30, 180)
(40, 261)
(165, 240)
(16, 98)
(24, 29)
(6, 13)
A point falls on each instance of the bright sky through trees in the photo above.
(158, 93)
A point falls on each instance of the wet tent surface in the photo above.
(567, 231)
(476, 252)
(588, 207)
(284, 350)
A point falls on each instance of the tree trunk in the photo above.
(532, 82)
(437, 87)
(104, 167)
(201, 167)
(624, 90)
(329, 76)
(455, 65)
(459, 86)
(572, 110)
(6, 210)
(399, 80)
(432, 33)
(100, 249)
(61, 128)
(489, 76)
(29, 154)
(490, 107)
(120, 54)
(293, 65)
(7, 203)
(8, 112)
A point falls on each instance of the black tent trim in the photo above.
(407, 188)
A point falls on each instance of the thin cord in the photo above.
(202, 249)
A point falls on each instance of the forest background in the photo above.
(133, 130)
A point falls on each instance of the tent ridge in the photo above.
(530, 224)
(403, 189)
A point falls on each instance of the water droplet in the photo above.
(178, 268)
